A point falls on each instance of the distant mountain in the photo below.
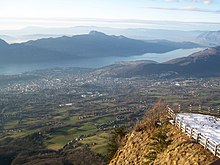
(18, 53)
(210, 38)
(203, 63)
(122, 68)
(205, 55)
(94, 44)
(7, 38)
(33, 33)
(3, 43)
(99, 44)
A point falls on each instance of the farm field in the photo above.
(82, 114)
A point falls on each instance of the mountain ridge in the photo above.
(119, 45)
(3, 43)
(211, 38)
(29, 33)
(94, 44)
(202, 63)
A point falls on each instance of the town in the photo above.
(66, 106)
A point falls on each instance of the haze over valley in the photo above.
(94, 50)
(115, 82)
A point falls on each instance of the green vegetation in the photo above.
(115, 141)
(98, 143)
(79, 111)
(159, 142)
(11, 124)
(71, 120)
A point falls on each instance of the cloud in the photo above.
(19, 23)
(203, 1)
(187, 8)
(197, 1)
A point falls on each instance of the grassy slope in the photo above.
(182, 149)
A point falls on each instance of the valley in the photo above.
(80, 107)
(95, 82)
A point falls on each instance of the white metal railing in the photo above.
(193, 133)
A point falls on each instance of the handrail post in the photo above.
(180, 125)
(200, 108)
(216, 149)
(176, 120)
(206, 142)
(197, 139)
(185, 128)
(191, 134)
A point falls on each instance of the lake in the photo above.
(10, 69)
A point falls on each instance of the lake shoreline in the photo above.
(13, 69)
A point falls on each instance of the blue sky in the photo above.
(17, 14)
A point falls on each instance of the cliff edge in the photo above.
(156, 142)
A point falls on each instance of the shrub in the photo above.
(159, 142)
(115, 141)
